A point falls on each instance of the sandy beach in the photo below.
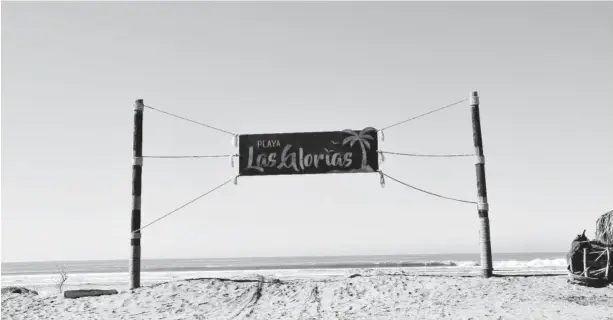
(359, 294)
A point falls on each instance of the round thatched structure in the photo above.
(604, 228)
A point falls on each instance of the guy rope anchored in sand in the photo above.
(343, 151)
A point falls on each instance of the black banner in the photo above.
(309, 152)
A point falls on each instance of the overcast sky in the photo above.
(71, 73)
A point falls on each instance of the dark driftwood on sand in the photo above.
(20, 290)
(72, 294)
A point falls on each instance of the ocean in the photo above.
(504, 260)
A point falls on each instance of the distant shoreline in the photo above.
(266, 267)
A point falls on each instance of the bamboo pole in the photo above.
(482, 205)
(606, 273)
(137, 174)
(585, 261)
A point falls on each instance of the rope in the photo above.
(424, 114)
(196, 122)
(183, 206)
(424, 191)
(182, 157)
(428, 155)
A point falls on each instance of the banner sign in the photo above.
(309, 152)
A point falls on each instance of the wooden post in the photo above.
(137, 175)
(482, 205)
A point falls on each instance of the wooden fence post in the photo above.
(137, 174)
(482, 205)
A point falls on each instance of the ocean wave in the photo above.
(515, 264)
(505, 264)
(466, 264)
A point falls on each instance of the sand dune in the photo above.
(373, 295)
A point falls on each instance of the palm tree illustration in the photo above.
(362, 137)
